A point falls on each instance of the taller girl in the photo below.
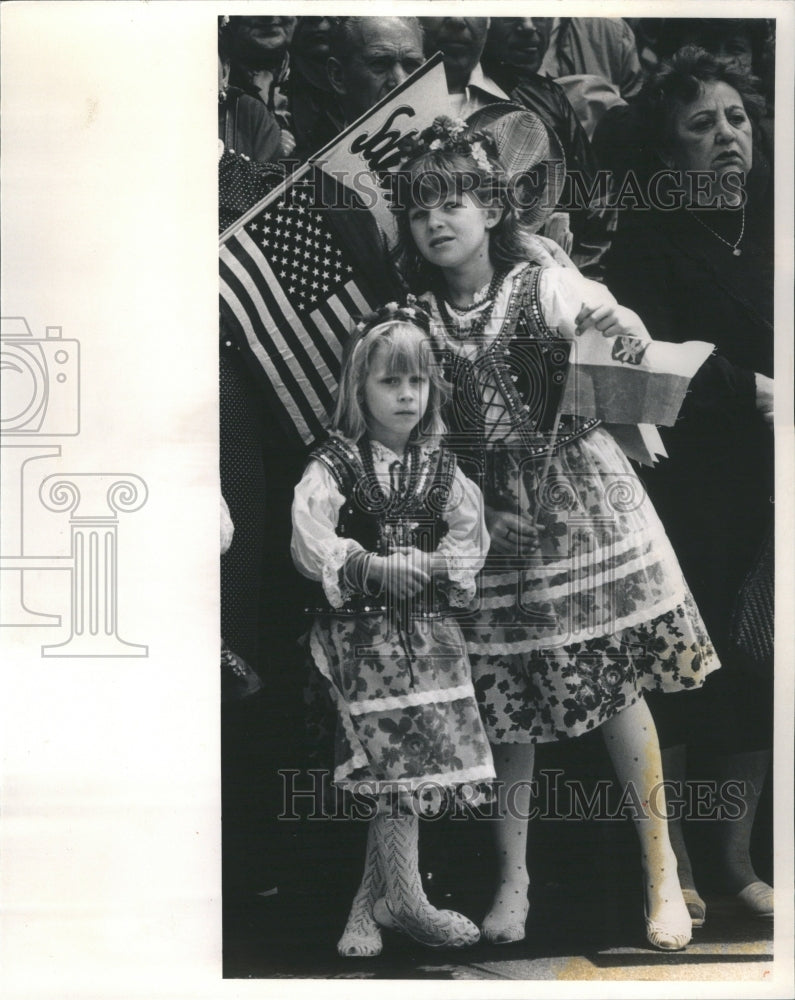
(582, 602)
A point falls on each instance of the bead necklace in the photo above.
(479, 323)
(734, 247)
(407, 480)
(480, 296)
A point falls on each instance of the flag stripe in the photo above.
(348, 307)
(264, 334)
(284, 333)
(337, 320)
(287, 321)
(330, 335)
(359, 302)
(278, 375)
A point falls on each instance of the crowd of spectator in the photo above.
(289, 85)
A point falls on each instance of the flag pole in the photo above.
(278, 191)
(548, 460)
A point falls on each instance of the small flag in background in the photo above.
(289, 290)
(627, 380)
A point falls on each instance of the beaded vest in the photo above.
(528, 364)
(380, 520)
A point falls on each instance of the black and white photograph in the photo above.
(436, 631)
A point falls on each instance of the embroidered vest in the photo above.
(528, 364)
(381, 520)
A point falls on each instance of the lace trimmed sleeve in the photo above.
(317, 551)
(466, 544)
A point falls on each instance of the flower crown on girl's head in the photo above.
(451, 135)
(413, 312)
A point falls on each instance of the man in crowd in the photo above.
(461, 41)
(368, 58)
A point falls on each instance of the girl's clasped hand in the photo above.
(404, 572)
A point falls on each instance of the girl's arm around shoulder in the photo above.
(317, 550)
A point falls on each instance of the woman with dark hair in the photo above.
(699, 265)
(624, 135)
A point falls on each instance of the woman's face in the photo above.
(713, 132)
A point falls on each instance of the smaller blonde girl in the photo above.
(394, 535)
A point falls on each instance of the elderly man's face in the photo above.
(387, 51)
(460, 40)
(260, 41)
(519, 41)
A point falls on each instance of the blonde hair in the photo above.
(409, 349)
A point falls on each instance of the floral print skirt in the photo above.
(406, 709)
(574, 626)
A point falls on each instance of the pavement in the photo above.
(579, 928)
(288, 886)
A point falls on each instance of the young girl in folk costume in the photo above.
(385, 521)
(582, 602)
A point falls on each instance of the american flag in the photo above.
(294, 276)
(289, 290)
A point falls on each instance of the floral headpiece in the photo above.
(451, 135)
(413, 312)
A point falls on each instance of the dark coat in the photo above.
(714, 492)
(247, 127)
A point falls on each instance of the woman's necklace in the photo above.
(734, 247)
(478, 325)
(481, 295)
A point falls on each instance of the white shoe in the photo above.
(447, 929)
(758, 898)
